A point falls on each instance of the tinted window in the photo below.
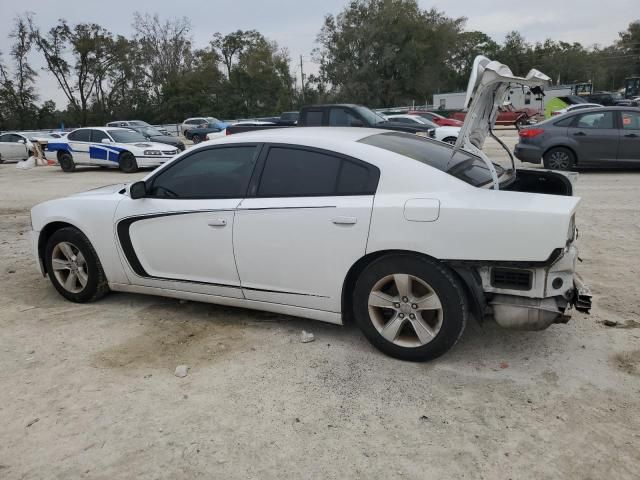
(5, 138)
(98, 135)
(83, 135)
(565, 122)
(313, 118)
(339, 117)
(462, 165)
(212, 173)
(402, 120)
(630, 120)
(595, 120)
(290, 172)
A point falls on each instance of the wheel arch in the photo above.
(61, 152)
(45, 234)
(469, 282)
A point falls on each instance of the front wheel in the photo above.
(128, 163)
(450, 140)
(66, 162)
(559, 158)
(73, 266)
(196, 138)
(409, 307)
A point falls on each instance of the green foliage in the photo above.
(375, 52)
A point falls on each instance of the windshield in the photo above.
(126, 136)
(463, 165)
(139, 123)
(150, 131)
(371, 117)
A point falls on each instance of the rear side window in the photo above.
(313, 118)
(600, 120)
(565, 122)
(292, 172)
(83, 135)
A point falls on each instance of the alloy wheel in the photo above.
(559, 160)
(405, 310)
(69, 267)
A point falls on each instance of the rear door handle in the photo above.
(220, 222)
(631, 135)
(344, 220)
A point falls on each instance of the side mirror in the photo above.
(357, 123)
(138, 190)
(106, 140)
(23, 141)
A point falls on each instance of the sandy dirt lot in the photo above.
(88, 391)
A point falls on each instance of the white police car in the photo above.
(109, 147)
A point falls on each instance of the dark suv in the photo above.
(594, 137)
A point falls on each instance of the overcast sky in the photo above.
(294, 24)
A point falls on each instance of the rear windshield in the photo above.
(462, 165)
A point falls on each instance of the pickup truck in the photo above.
(341, 115)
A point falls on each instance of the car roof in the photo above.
(104, 129)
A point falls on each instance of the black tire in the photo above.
(196, 138)
(96, 285)
(520, 123)
(128, 163)
(66, 162)
(450, 140)
(1, 160)
(441, 280)
(559, 158)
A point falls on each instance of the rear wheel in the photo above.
(73, 266)
(451, 140)
(196, 138)
(409, 307)
(1, 159)
(66, 162)
(128, 163)
(559, 158)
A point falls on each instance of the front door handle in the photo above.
(220, 222)
(579, 134)
(631, 135)
(344, 220)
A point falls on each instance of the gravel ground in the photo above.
(88, 391)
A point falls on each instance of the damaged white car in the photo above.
(407, 236)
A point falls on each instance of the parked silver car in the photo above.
(594, 137)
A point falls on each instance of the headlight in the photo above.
(152, 152)
(422, 134)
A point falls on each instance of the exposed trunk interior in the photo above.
(541, 181)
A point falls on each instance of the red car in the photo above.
(437, 119)
(507, 115)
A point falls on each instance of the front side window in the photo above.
(292, 172)
(462, 165)
(82, 135)
(212, 173)
(5, 138)
(600, 120)
(630, 120)
(339, 117)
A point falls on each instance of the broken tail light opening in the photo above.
(530, 132)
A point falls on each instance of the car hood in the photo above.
(105, 190)
(415, 126)
(488, 85)
(149, 146)
(166, 139)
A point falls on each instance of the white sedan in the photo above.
(444, 134)
(14, 146)
(407, 236)
(121, 148)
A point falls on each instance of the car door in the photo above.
(303, 225)
(179, 235)
(79, 142)
(595, 137)
(12, 147)
(629, 147)
(98, 151)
